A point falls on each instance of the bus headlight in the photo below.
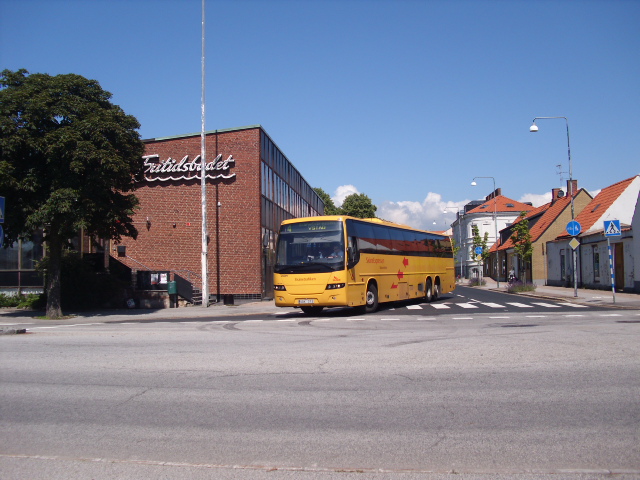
(279, 287)
(335, 286)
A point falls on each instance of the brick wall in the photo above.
(172, 238)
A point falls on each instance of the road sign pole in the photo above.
(613, 278)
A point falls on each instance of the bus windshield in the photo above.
(310, 247)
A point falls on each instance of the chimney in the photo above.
(496, 193)
(572, 187)
(556, 193)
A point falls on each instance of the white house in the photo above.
(616, 202)
(482, 214)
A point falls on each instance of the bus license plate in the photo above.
(305, 300)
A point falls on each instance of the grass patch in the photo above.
(477, 282)
(519, 287)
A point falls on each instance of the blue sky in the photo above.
(405, 101)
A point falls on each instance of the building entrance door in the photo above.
(618, 261)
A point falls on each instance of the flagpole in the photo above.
(203, 177)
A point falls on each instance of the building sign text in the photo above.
(171, 169)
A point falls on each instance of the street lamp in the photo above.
(495, 223)
(533, 129)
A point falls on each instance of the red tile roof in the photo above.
(547, 214)
(600, 204)
(503, 204)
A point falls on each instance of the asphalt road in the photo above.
(475, 393)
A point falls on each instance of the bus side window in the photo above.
(353, 254)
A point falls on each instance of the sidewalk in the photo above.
(15, 319)
(585, 296)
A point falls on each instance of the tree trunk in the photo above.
(54, 308)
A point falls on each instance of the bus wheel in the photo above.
(428, 292)
(372, 299)
(436, 292)
(311, 310)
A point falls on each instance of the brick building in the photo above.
(251, 188)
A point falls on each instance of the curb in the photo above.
(13, 331)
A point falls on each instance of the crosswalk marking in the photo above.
(477, 304)
(546, 305)
(467, 305)
(521, 305)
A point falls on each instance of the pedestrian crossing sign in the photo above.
(612, 228)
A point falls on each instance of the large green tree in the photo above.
(68, 161)
(358, 205)
(522, 244)
(329, 207)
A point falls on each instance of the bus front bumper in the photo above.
(329, 298)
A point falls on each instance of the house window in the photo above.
(596, 264)
(563, 270)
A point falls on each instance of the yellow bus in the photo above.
(340, 261)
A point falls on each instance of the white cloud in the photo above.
(536, 199)
(423, 214)
(343, 192)
(593, 193)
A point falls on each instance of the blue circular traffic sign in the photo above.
(573, 228)
(478, 250)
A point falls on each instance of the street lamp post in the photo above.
(533, 129)
(495, 223)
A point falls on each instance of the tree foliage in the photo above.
(479, 242)
(521, 238)
(68, 161)
(358, 205)
(329, 207)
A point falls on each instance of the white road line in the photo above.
(536, 316)
(440, 306)
(414, 307)
(463, 318)
(610, 315)
(519, 305)
(493, 305)
(495, 318)
(546, 305)
(573, 315)
(466, 305)
(355, 319)
(389, 319)
(574, 305)
(286, 320)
